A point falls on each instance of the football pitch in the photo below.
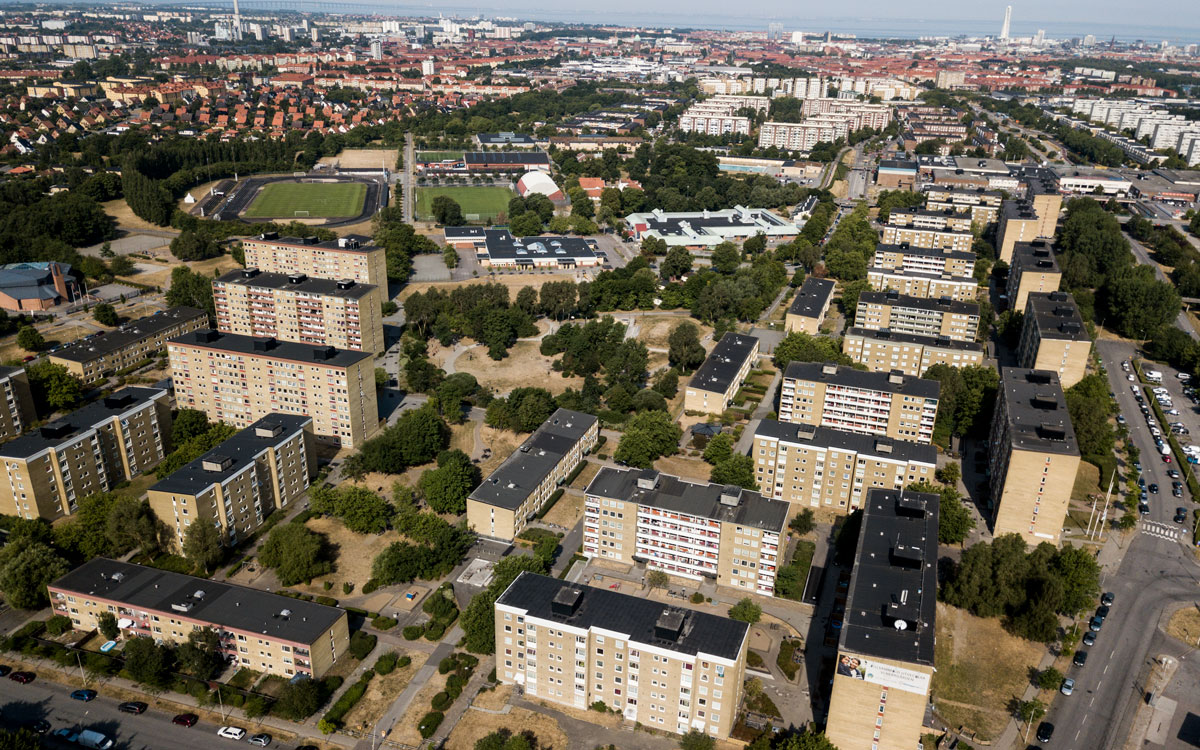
(478, 203)
(318, 200)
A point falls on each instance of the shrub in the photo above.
(328, 585)
(328, 601)
(348, 699)
(754, 659)
(383, 623)
(347, 587)
(413, 632)
(404, 662)
(58, 625)
(447, 664)
(386, 664)
(362, 644)
(429, 723)
(697, 598)
(435, 631)
(441, 701)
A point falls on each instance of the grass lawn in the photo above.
(478, 203)
(439, 155)
(319, 199)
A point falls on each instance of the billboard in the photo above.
(887, 675)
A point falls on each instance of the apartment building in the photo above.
(864, 114)
(506, 501)
(239, 379)
(924, 284)
(99, 357)
(916, 258)
(819, 467)
(1054, 337)
(714, 384)
(688, 529)
(809, 306)
(937, 239)
(264, 468)
(870, 403)
(713, 119)
(886, 645)
(921, 316)
(20, 414)
(257, 630)
(982, 205)
(942, 220)
(885, 351)
(1033, 269)
(1032, 456)
(297, 307)
(349, 257)
(1018, 223)
(88, 451)
(802, 136)
(1041, 191)
(575, 645)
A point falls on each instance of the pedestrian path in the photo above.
(1160, 530)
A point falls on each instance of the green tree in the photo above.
(188, 423)
(696, 740)
(738, 469)
(30, 339)
(105, 314)
(298, 700)
(191, 245)
(446, 211)
(200, 656)
(684, 351)
(148, 662)
(804, 522)
(121, 266)
(202, 545)
(949, 474)
(478, 619)
(1049, 679)
(446, 487)
(746, 611)
(85, 533)
(677, 264)
(191, 289)
(648, 436)
(527, 224)
(296, 553)
(719, 448)
(657, 579)
(26, 567)
(801, 347)
(726, 258)
(1030, 711)
(52, 386)
(132, 524)
(107, 624)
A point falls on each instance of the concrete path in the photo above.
(400, 706)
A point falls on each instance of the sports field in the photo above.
(478, 203)
(318, 200)
(439, 155)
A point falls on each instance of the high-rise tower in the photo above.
(1007, 20)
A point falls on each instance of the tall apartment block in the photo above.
(257, 630)
(802, 136)
(714, 384)
(1033, 269)
(943, 220)
(575, 645)
(1018, 223)
(714, 119)
(870, 403)
(235, 486)
(1032, 457)
(924, 284)
(86, 452)
(349, 257)
(916, 259)
(885, 649)
(502, 505)
(983, 206)
(239, 379)
(300, 308)
(20, 412)
(936, 239)
(920, 316)
(865, 114)
(1054, 337)
(818, 467)
(887, 351)
(809, 306)
(1041, 192)
(96, 358)
(692, 530)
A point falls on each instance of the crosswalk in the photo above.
(1160, 530)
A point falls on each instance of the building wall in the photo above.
(1048, 206)
(942, 222)
(713, 402)
(963, 289)
(895, 258)
(365, 265)
(860, 410)
(1032, 490)
(865, 714)
(911, 359)
(18, 398)
(916, 321)
(1023, 281)
(288, 315)
(931, 238)
(127, 356)
(1014, 230)
(804, 323)
(1067, 357)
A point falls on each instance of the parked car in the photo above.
(185, 720)
(1173, 473)
(22, 677)
(84, 695)
(133, 707)
(1154, 488)
(1068, 686)
(231, 733)
(1089, 638)
(1080, 657)
(1181, 515)
(5, 670)
(260, 740)
(1107, 598)
(1095, 624)
(1045, 731)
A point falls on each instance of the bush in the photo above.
(383, 623)
(328, 601)
(362, 644)
(754, 659)
(404, 662)
(441, 701)
(333, 717)
(328, 585)
(413, 632)
(58, 625)
(347, 587)
(435, 631)
(697, 598)
(386, 664)
(429, 723)
(370, 586)
(447, 665)
(784, 659)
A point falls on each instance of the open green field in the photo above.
(318, 200)
(478, 203)
(439, 155)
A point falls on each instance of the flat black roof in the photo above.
(500, 244)
(1033, 256)
(894, 298)
(678, 629)
(898, 164)
(79, 421)
(8, 372)
(129, 334)
(1021, 210)
(894, 579)
(908, 249)
(827, 437)
(233, 455)
(942, 342)
(812, 297)
(529, 465)
(505, 138)
(351, 243)
(1056, 316)
(222, 604)
(1036, 410)
(656, 490)
(296, 282)
(885, 382)
(724, 362)
(326, 356)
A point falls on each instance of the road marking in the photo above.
(1106, 666)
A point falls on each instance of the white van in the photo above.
(1154, 376)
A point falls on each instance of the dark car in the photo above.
(1089, 638)
(84, 695)
(1107, 598)
(185, 720)
(1172, 473)
(22, 677)
(1153, 488)
(1141, 481)
(5, 670)
(132, 707)
(1095, 624)
(1080, 658)
(1045, 731)
(1102, 611)
(1180, 515)
(1143, 509)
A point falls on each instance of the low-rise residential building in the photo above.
(300, 308)
(712, 387)
(349, 257)
(924, 284)
(21, 413)
(922, 316)
(819, 467)
(885, 654)
(689, 529)
(809, 306)
(885, 351)
(1018, 223)
(942, 220)
(239, 379)
(504, 503)
(86, 452)
(99, 357)
(1032, 456)
(871, 403)
(982, 205)
(908, 257)
(1033, 269)
(937, 239)
(258, 630)
(695, 661)
(1054, 337)
(262, 469)
(704, 230)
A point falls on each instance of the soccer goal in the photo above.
(303, 214)
(299, 174)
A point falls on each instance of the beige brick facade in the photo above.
(920, 316)
(96, 358)
(885, 404)
(883, 351)
(712, 387)
(350, 257)
(928, 238)
(928, 285)
(19, 413)
(1054, 337)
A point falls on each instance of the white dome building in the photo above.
(539, 182)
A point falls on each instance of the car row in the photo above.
(1045, 731)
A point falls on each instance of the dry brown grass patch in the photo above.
(567, 511)
(493, 700)
(502, 443)
(382, 692)
(1184, 625)
(685, 468)
(476, 725)
(406, 732)
(525, 366)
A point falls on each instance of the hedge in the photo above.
(383, 623)
(441, 701)
(386, 664)
(429, 723)
(413, 632)
(342, 706)
(576, 472)
(434, 631)
(362, 644)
